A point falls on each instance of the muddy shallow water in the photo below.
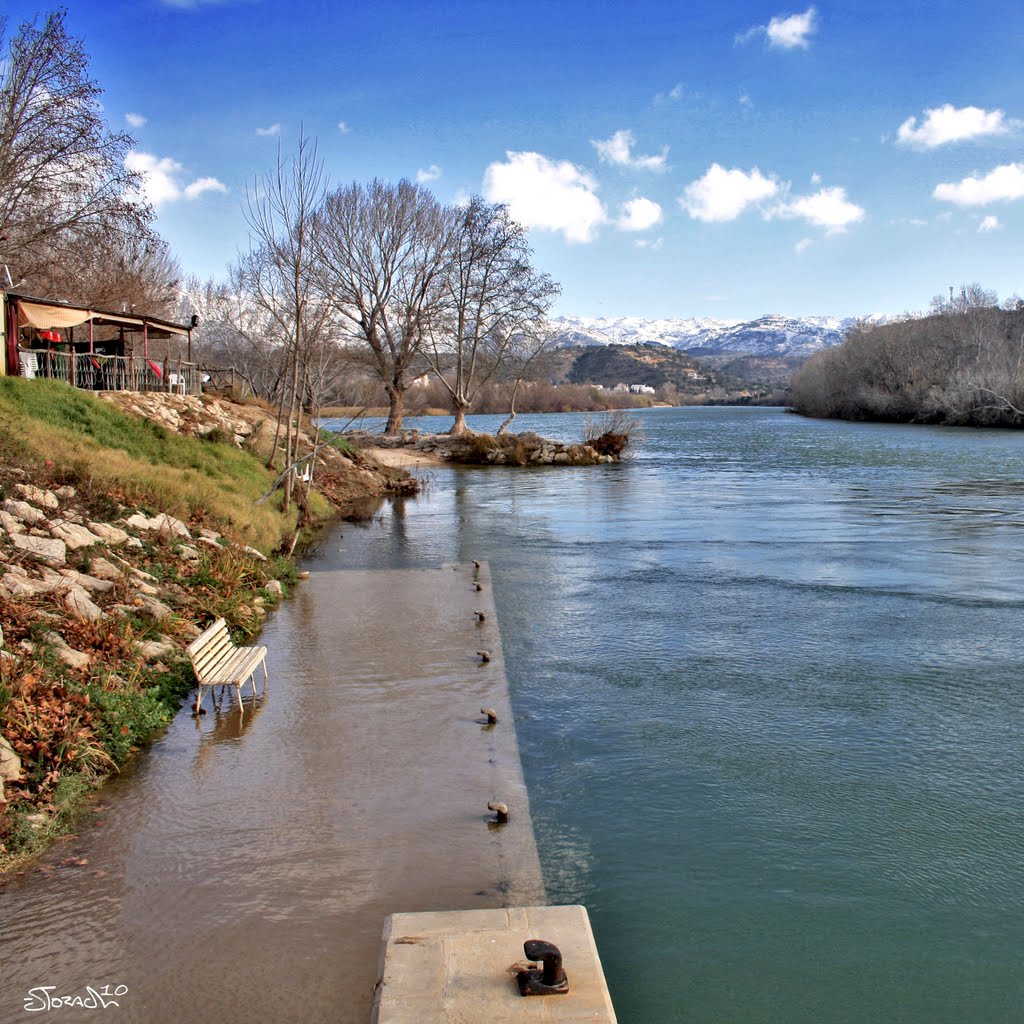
(248, 861)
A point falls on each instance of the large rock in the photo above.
(37, 495)
(10, 765)
(24, 586)
(71, 578)
(10, 524)
(162, 523)
(154, 650)
(111, 534)
(103, 569)
(67, 654)
(150, 608)
(23, 511)
(79, 603)
(73, 535)
(45, 549)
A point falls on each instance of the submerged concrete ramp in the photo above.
(424, 762)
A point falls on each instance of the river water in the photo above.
(767, 687)
(768, 680)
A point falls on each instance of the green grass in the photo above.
(94, 446)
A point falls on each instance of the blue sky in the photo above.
(686, 159)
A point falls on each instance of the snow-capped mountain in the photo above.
(772, 335)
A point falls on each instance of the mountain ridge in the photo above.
(771, 335)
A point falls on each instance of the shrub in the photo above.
(611, 433)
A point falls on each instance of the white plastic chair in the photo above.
(28, 364)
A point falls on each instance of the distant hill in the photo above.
(650, 364)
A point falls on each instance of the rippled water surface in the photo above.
(770, 700)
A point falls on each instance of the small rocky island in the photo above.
(410, 447)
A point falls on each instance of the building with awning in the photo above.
(77, 343)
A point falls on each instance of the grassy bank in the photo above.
(85, 682)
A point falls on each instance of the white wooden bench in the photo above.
(216, 661)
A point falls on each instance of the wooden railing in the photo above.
(95, 372)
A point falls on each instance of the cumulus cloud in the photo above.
(431, 173)
(638, 215)
(989, 224)
(723, 195)
(271, 129)
(344, 128)
(135, 120)
(803, 245)
(201, 185)
(945, 124)
(646, 243)
(619, 150)
(549, 194)
(785, 32)
(827, 208)
(162, 179)
(1002, 184)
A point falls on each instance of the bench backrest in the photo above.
(211, 649)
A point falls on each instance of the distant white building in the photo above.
(621, 387)
(641, 389)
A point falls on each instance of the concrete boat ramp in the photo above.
(423, 763)
(433, 763)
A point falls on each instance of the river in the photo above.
(766, 678)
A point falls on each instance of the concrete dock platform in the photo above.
(454, 967)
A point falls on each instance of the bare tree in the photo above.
(277, 276)
(491, 296)
(65, 184)
(382, 250)
(524, 363)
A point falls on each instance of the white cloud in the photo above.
(618, 150)
(785, 32)
(745, 100)
(945, 124)
(999, 185)
(646, 243)
(201, 185)
(271, 129)
(815, 178)
(161, 179)
(803, 245)
(548, 194)
(638, 215)
(135, 120)
(723, 195)
(432, 173)
(344, 128)
(827, 208)
(989, 224)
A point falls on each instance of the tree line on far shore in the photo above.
(961, 364)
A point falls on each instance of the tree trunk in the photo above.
(459, 410)
(511, 410)
(396, 411)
